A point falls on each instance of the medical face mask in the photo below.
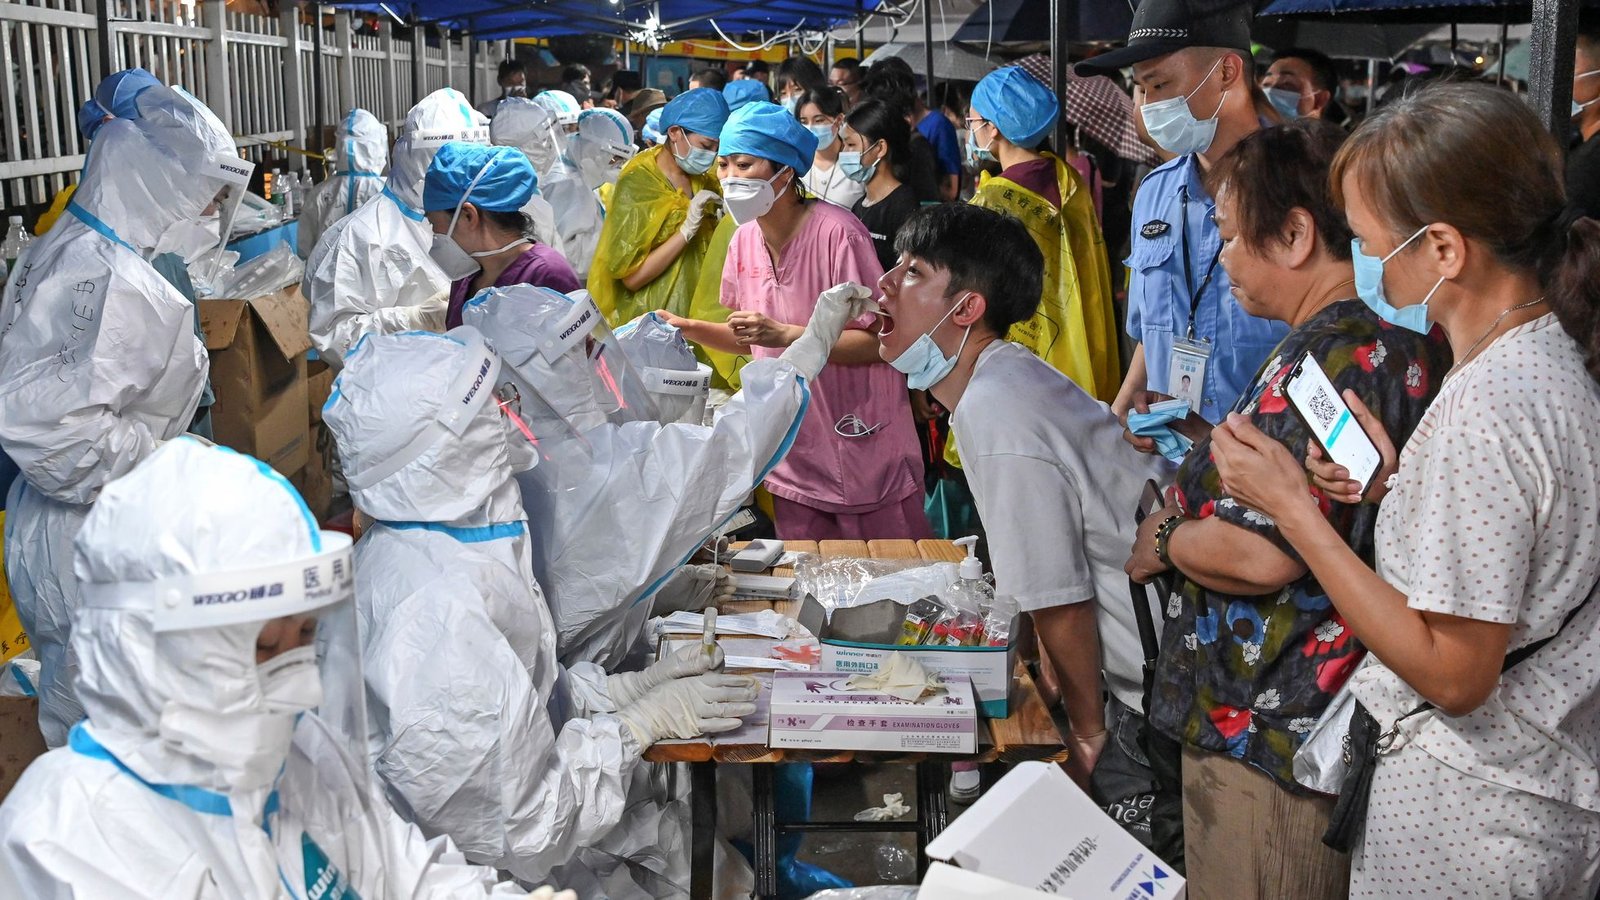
(290, 681)
(976, 154)
(455, 262)
(748, 199)
(1286, 102)
(791, 103)
(1172, 124)
(699, 160)
(923, 363)
(1578, 108)
(825, 135)
(1369, 287)
(852, 167)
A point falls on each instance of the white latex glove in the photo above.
(690, 707)
(693, 588)
(697, 213)
(626, 688)
(549, 893)
(836, 307)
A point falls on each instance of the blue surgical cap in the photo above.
(651, 132)
(115, 95)
(1024, 110)
(770, 132)
(91, 116)
(745, 91)
(505, 180)
(701, 111)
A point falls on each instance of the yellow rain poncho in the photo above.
(707, 306)
(645, 211)
(1075, 328)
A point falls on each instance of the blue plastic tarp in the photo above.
(489, 19)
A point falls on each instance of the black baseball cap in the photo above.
(1164, 26)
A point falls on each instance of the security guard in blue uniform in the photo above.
(1200, 99)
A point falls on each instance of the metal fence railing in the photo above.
(260, 74)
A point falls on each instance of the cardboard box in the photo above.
(319, 386)
(20, 740)
(258, 370)
(816, 710)
(946, 882)
(1038, 830)
(992, 670)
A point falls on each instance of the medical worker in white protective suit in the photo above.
(360, 155)
(602, 146)
(99, 362)
(477, 731)
(199, 772)
(664, 487)
(371, 272)
(536, 130)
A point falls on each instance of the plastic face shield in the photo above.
(320, 587)
(231, 175)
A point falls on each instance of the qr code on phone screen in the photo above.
(1323, 409)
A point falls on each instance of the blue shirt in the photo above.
(942, 136)
(1160, 295)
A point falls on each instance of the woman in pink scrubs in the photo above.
(855, 471)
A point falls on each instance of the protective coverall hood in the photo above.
(362, 145)
(172, 139)
(530, 127)
(678, 384)
(185, 706)
(420, 430)
(442, 116)
(565, 365)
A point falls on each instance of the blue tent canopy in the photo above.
(494, 19)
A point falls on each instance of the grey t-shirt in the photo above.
(1056, 487)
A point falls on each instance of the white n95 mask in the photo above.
(748, 199)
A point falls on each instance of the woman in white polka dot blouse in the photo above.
(1489, 534)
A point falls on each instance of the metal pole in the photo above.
(1505, 25)
(1058, 69)
(927, 46)
(1372, 85)
(419, 59)
(104, 42)
(472, 66)
(1555, 40)
(861, 32)
(318, 89)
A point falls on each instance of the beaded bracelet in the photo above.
(1164, 535)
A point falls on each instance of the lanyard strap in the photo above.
(1188, 273)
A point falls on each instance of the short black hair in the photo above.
(1324, 74)
(713, 77)
(754, 66)
(1589, 26)
(828, 100)
(509, 67)
(575, 72)
(847, 63)
(1005, 265)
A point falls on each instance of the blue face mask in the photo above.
(698, 162)
(1369, 287)
(824, 133)
(1173, 126)
(975, 153)
(791, 103)
(923, 363)
(850, 164)
(1286, 102)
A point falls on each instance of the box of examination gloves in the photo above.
(258, 371)
(1036, 829)
(862, 639)
(818, 710)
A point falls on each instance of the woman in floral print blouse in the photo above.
(1252, 649)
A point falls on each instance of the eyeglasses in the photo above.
(978, 119)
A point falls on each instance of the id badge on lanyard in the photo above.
(1186, 372)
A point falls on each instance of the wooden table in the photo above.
(1029, 733)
